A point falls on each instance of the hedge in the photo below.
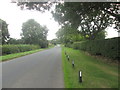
(107, 47)
(70, 45)
(9, 49)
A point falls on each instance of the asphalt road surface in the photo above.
(39, 70)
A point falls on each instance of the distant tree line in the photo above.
(32, 33)
(54, 41)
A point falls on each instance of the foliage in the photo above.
(77, 12)
(39, 6)
(4, 33)
(109, 7)
(55, 41)
(105, 47)
(67, 34)
(9, 49)
(89, 17)
(34, 33)
(101, 35)
(15, 41)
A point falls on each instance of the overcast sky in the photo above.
(14, 16)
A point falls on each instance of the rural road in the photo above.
(39, 70)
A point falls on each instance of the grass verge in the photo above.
(15, 55)
(95, 73)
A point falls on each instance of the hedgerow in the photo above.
(107, 47)
(9, 49)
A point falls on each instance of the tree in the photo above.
(67, 34)
(101, 35)
(4, 32)
(66, 11)
(89, 16)
(15, 41)
(54, 41)
(92, 26)
(40, 6)
(34, 33)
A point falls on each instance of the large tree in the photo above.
(4, 33)
(91, 17)
(67, 34)
(16, 41)
(34, 33)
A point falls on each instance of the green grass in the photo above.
(95, 73)
(15, 55)
(11, 56)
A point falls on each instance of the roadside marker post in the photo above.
(68, 58)
(80, 76)
(73, 64)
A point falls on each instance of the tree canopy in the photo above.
(111, 8)
(34, 33)
(91, 17)
(67, 34)
(16, 41)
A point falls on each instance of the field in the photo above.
(95, 72)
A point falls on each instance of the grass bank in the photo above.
(15, 55)
(95, 73)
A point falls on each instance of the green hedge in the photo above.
(107, 47)
(70, 45)
(9, 49)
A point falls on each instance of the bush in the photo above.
(9, 49)
(70, 45)
(44, 44)
(106, 47)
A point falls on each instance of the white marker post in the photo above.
(68, 58)
(80, 76)
(73, 63)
